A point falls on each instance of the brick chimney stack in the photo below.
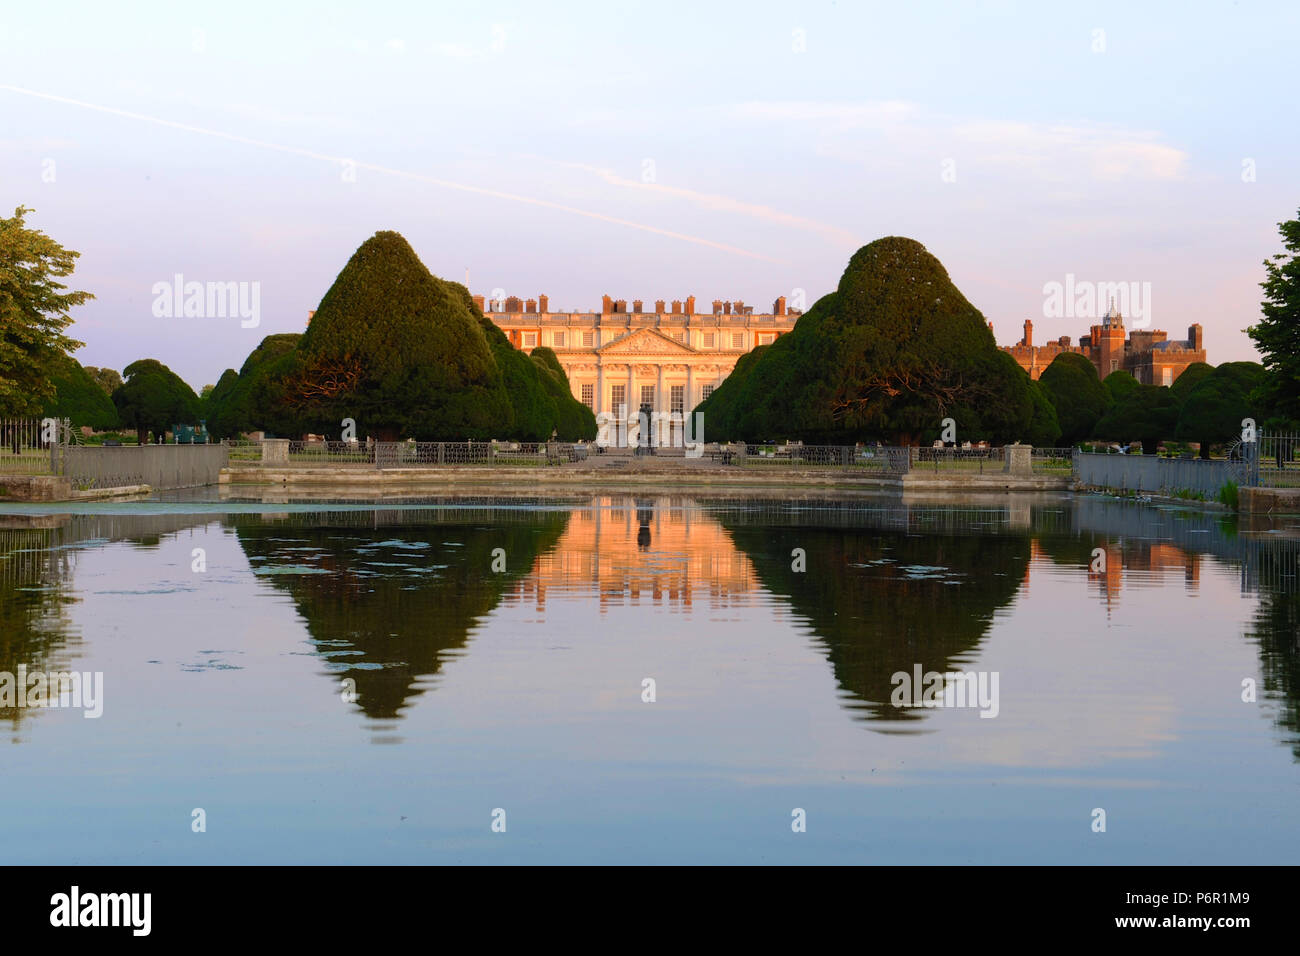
(690, 305)
(677, 306)
(479, 301)
(531, 306)
(1195, 337)
(717, 306)
(620, 305)
(543, 303)
(606, 305)
(778, 307)
(1029, 333)
(659, 307)
(636, 306)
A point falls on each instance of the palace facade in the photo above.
(669, 356)
(1152, 357)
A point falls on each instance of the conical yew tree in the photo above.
(235, 405)
(891, 353)
(1078, 395)
(395, 349)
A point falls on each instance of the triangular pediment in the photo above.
(641, 341)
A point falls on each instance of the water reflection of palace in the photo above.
(1156, 561)
(657, 549)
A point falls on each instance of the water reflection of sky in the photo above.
(522, 690)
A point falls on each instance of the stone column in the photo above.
(660, 404)
(600, 389)
(1018, 459)
(275, 451)
(688, 404)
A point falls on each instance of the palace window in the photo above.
(618, 398)
(648, 395)
(680, 337)
(766, 338)
(557, 339)
(677, 398)
(1168, 376)
(588, 340)
(707, 340)
(530, 340)
(707, 391)
(589, 396)
(737, 340)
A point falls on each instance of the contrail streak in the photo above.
(389, 171)
(715, 201)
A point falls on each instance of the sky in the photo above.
(650, 150)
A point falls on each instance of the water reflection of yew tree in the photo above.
(1276, 631)
(882, 602)
(38, 560)
(33, 603)
(383, 606)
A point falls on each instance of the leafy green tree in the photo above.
(545, 358)
(574, 421)
(1119, 383)
(106, 378)
(1212, 413)
(153, 398)
(79, 398)
(1148, 413)
(724, 416)
(395, 349)
(1044, 428)
(891, 353)
(1077, 395)
(1191, 376)
(216, 402)
(1277, 334)
(34, 309)
(238, 403)
(274, 405)
(1003, 420)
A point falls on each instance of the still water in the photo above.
(650, 679)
